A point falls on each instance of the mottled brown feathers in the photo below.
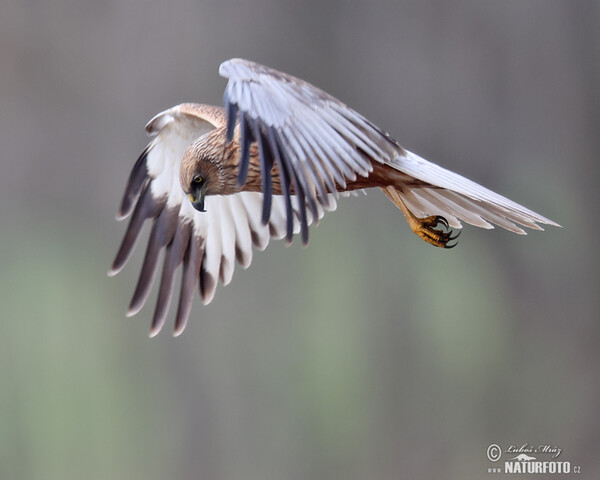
(218, 162)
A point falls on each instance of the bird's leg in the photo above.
(426, 227)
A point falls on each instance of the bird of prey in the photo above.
(216, 181)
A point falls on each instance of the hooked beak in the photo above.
(198, 201)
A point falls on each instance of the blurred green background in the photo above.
(367, 355)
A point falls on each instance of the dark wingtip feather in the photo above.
(191, 267)
(146, 207)
(142, 289)
(232, 110)
(303, 219)
(301, 206)
(162, 233)
(246, 140)
(267, 200)
(283, 161)
(165, 293)
(173, 258)
(135, 184)
(266, 165)
(208, 285)
(242, 256)
(312, 206)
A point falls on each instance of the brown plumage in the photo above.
(216, 181)
(217, 161)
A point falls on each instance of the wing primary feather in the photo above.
(313, 166)
(191, 269)
(243, 243)
(266, 165)
(322, 168)
(332, 152)
(394, 147)
(161, 234)
(173, 258)
(208, 283)
(277, 222)
(147, 207)
(333, 166)
(282, 163)
(310, 152)
(319, 183)
(322, 159)
(246, 140)
(259, 233)
(229, 241)
(359, 132)
(301, 207)
(352, 133)
(135, 183)
(232, 111)
(303, 219)
(311, 202)
(300, 174)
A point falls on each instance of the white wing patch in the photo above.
(206, 243)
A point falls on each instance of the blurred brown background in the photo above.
(369, 355)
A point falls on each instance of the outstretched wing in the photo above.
(317, 142)
(207, 244)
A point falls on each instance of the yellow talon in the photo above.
(425, 227)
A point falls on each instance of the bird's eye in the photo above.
(198, 179)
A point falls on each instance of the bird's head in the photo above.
(202, 170)
(196, 191)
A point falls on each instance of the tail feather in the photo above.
(460, 209)
(490, 213)
(447, 194)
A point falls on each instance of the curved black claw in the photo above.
(439, 219)
(438, 237)
(454, 237)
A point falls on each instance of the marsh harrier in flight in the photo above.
(217, 181)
